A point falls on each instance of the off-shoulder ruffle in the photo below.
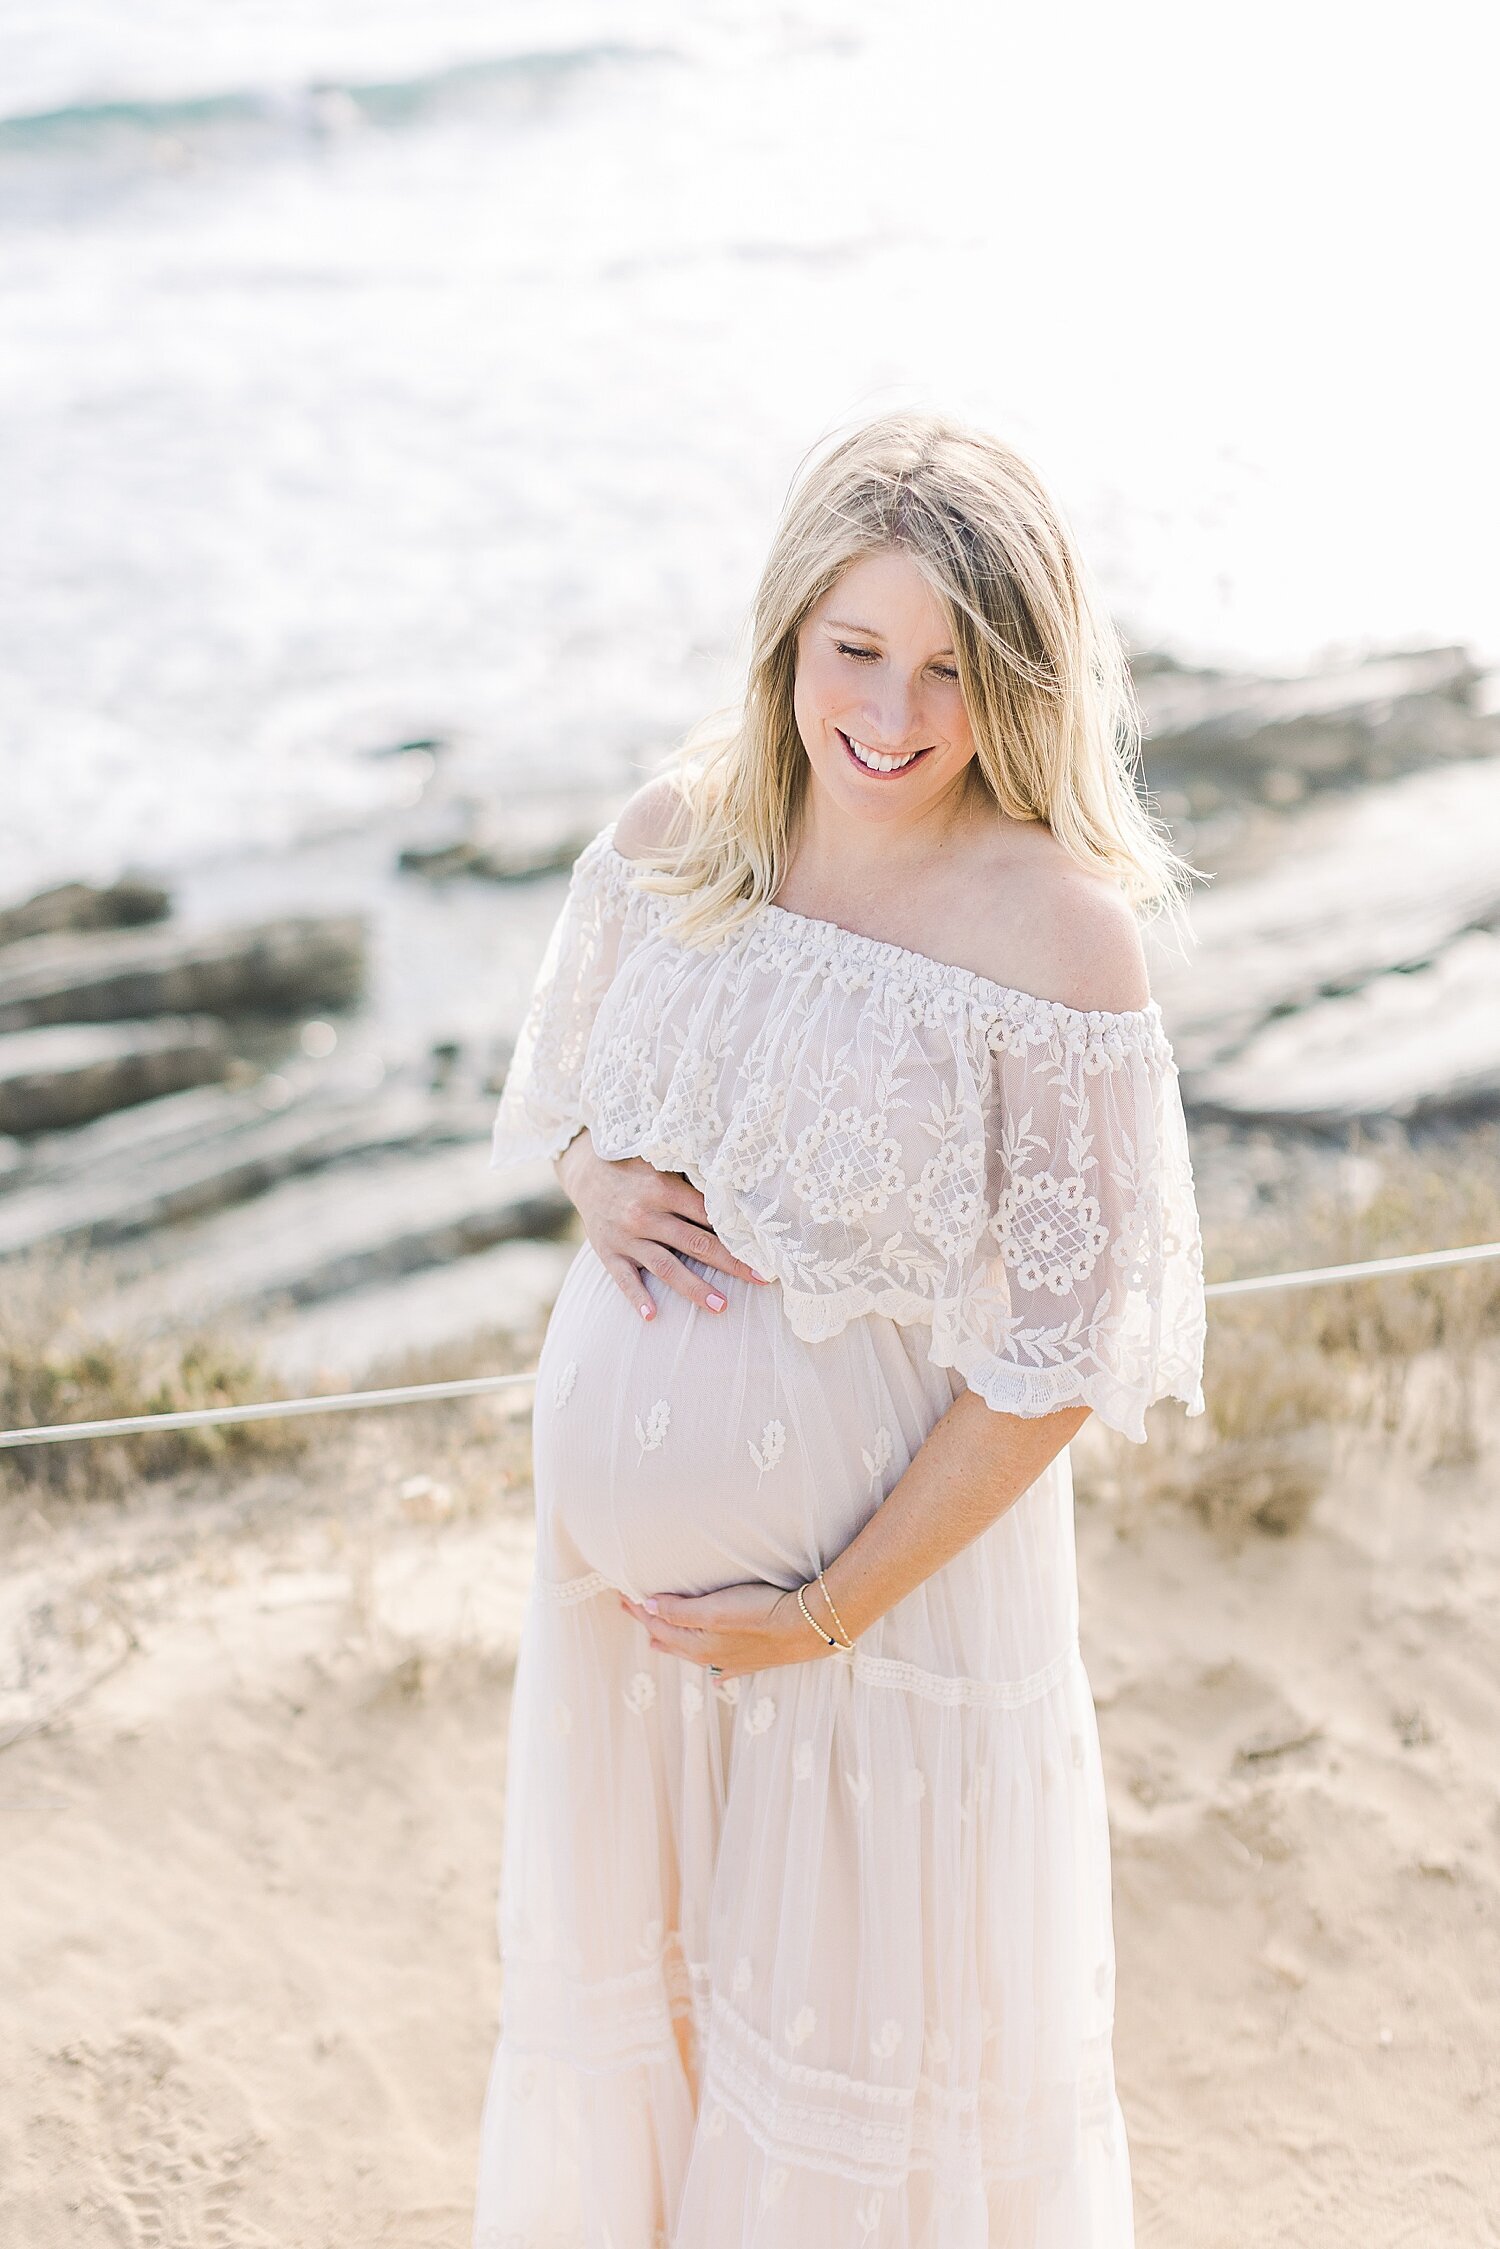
(931, 990)
(881, 1133)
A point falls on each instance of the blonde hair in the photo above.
(1041, 668)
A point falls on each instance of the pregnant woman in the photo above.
(844, 1045)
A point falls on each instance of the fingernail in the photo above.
(651, 1605)
(715, 1300)
(646, 1311)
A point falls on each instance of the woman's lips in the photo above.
(869, 770)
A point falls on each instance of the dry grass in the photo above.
(458, 1456)
(1437, 1194)
(52, 1369)
(1287, 1373)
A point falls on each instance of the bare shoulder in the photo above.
(648, 818)
(1065, 932)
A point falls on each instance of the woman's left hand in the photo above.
(742, 1628)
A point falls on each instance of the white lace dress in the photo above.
(822, 1958)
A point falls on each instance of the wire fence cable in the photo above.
(478, 1386)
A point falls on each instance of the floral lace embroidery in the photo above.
(842, 1167)
(880, 1455)
(883, 1133)
(658, 1421)
(562, 1388)
(947, 1197)
(1049, 1231)
(772, 1446)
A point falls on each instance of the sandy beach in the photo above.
(253, 1793)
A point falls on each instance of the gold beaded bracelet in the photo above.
(838, 1622)
(812, 1620)
(846, 1643)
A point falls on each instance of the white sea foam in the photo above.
(364, 361)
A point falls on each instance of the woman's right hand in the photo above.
(636, 1217)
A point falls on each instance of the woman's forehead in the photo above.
(877, 592)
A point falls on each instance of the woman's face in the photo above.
(877, 680)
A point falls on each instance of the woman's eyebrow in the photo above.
(838, 625)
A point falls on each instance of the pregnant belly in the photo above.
(702, 1449)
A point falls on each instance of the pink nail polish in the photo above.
(645, 1311)
(651, 1605)
(715, 1300)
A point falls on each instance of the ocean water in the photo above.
(370, 374)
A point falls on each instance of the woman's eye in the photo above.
(872, 656)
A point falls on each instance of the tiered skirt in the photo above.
(819, 1958)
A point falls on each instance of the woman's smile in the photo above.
(873, 762)
(876, 693)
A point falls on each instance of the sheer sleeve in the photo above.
(540, 1109)
(1087, 1284)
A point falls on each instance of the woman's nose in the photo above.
(892, 714)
